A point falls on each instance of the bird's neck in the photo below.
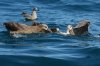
(68, 31)
(34, 14)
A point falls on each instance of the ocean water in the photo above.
(51, 49)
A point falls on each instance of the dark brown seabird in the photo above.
(18, 28)
(80, 29)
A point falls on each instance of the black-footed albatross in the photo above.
(32, 16)
(18, 28)
(80, 29)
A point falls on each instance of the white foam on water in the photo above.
(18, 35)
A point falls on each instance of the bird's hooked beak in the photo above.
(46, 29)
(49, 31)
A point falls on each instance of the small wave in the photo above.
(33, 61)
(47, 1)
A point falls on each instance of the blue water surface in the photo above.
(51, 49)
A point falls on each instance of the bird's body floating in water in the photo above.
(80, 29)
(32, 16)
(17, 28)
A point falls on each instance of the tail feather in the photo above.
(10, 26)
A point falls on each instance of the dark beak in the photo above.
(48, 31)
